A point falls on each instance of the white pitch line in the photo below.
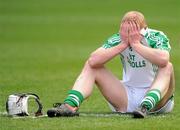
(33, 117)
(19, 117)
(81, 114)
(103, 115)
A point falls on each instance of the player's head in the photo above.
(135, 16)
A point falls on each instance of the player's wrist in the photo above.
(124, 45)
(135, 45)
(121, 47)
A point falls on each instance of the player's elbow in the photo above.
(164, 59)
(162, 63)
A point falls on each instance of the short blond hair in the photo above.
(136, 16)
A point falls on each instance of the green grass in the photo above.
(44, 44)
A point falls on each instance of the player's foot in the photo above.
(62, 110)
(140, 112)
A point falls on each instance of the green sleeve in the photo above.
(112, 41)
(158, 40)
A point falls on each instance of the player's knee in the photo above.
(170, 67)
(89, 67)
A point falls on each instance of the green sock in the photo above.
(151, 99)
(74, 99)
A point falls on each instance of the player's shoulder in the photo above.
(150, 30)
(156, 39)
(113, 40)
(155, 35)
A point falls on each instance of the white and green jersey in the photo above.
(137, 71)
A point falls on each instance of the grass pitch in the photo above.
(44, 44)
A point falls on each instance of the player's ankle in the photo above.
(72, 108)
(74, 99)
(145, 108)
(151, 99)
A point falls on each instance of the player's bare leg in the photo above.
(162, 89)
(166, 91)
(110, 86)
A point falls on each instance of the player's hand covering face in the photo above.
(134, 33)
(130, 32)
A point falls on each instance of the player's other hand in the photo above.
(134, 36)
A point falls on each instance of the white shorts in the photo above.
(135, 96)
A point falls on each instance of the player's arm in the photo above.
(112, 47)
(155, 56)
(101, 56)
